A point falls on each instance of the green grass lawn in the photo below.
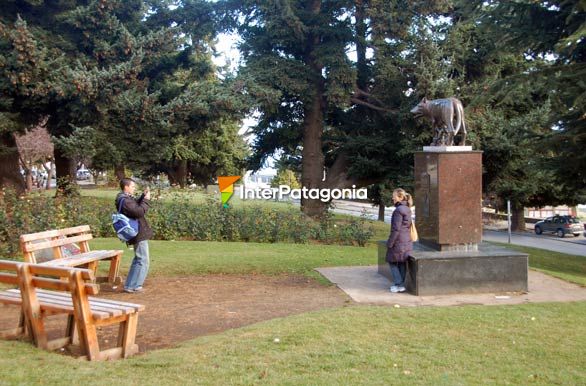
(472, 345)
(567, 267)
(521, 344)
(205, 257)
(199, 257)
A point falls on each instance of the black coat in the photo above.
(136, 209)
(399, 243)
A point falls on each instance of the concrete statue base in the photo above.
(489, 269)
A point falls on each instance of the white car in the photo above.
(83, 174)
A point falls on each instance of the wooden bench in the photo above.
(44, 291)
(55, 240)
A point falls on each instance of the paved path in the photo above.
(365, 285)
(574, 247)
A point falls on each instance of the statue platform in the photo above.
(488, 269)
(446, 149)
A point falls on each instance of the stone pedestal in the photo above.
(489, 269)
(448, 192)
(449, 257)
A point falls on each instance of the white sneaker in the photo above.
(394, 289)
(401, 289)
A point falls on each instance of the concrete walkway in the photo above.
(575, 247)
(365, 285)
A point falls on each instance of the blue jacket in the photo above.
(399, 243)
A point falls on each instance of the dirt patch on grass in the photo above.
(182, 308)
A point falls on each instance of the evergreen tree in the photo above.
(517, 109)
(552, 36)
(310, 94)
(285, 177)
(139, 73)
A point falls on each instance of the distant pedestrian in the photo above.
(136, 208)
(399, 243)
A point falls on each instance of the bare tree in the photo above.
(35, 147)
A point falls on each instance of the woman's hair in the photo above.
(403, 196)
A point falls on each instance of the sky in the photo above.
(228, 54)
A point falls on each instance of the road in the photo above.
(576, 246)
(569, 244)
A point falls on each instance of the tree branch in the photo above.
(374, 107)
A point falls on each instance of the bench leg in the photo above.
(88, 340)
(114, 267)
(127, 334)
(86, 327)
(22, 323)
(33, 315)
(71, 330)
(93, 266)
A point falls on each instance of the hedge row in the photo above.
(177, 218)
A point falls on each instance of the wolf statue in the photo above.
(442, 112)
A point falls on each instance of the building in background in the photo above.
(548, 211)
(259, 179)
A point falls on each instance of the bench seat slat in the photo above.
(61, 302)
(82, 258)
(10, 298)
(113, 305)
(96, 309)
(117, 303)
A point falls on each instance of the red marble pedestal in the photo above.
(448, 193)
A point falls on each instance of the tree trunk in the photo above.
(49, 171)
(361, 30)
(381, 212)
(10, 176)
(95, 176)
(171, 176)
(180, 172)
(119, 171)
(517, 218)
(65, 169)
(28, 177)
(312, 163)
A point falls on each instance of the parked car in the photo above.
(560, 225)
(83, 174)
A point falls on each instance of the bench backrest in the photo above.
(35, 276)
(9, 272)
(31, 277)
(54, 240)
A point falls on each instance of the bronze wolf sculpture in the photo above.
(442, 113)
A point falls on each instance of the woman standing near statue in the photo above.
(399, 243)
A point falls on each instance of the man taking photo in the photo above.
(136, 208)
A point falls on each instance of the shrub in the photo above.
(178, 216)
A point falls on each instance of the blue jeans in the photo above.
(398, 270)
(139, 267)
